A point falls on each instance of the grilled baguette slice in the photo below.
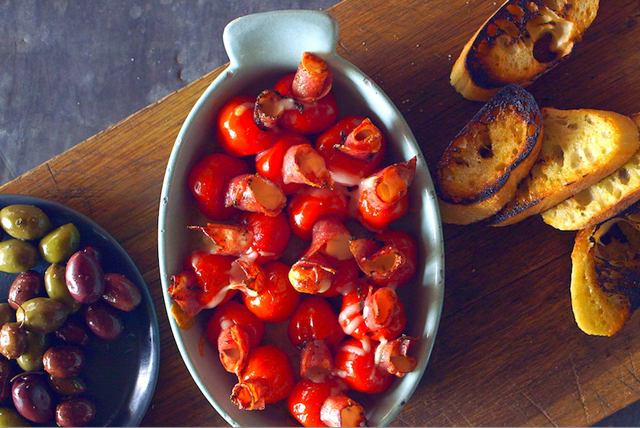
(480, 169)
(605, 275)
(597, 203)
(518, 43)
(579, 148)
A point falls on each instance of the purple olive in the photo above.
(25, 287)
(84, 277)
(94, 253)
(120, 292)
(75, 412)
(73, 332)
(63, 361)
(32, 398)
(103, 321)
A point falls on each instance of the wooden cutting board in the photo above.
(508, 351)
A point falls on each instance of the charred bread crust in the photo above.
(497, 147)
(605, 276)
(522, 40)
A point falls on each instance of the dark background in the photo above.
(70, 69)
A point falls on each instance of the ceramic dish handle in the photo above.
(277, 38)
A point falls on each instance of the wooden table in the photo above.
(508, 351)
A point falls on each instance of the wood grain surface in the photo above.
(508, 351)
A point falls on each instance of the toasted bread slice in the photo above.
(600, 202)
(480, 169)
(579, 148)
(605, 275)
(518, 43)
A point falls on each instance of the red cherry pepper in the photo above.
(405, 244)
(369, 313)
(307, 397)
(202, 285)
(309, 204)
(234, 313)
(256, 237)
(359, 369)
(267, 377)
(277, 300)
(212, 271)
(208, 183)
(270, 235)
(269, 162)
(382, 197)
(314, 319)
(350, 316)
(314, 116)
(235, 331)
(383, 313)
(238, 134)
(346, 169)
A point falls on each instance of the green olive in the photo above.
(11, 418)
(42, 314)
(13, 340)
(17, 256)
(56, 286)
(7, 314)
(31, 359)
(24, 222)
(60, 244)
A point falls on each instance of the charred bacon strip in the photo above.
(233, 348)
(330, 236)
(268, 108)
(363, 142)
(229, 240)
(184, 322)
(249, 395)
(312, 274)
(341, 411)
(247, 277)
(185, 291)
(393, 355)
(392, 182)
(382, 197)
(255, 193)
(376, 260)
(316, 361)
(303, 164)
(381, 308)
(312, 80)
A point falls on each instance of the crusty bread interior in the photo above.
(579, 148)
(601, 201)
(605, 275)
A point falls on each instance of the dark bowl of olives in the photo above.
(79, 336)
